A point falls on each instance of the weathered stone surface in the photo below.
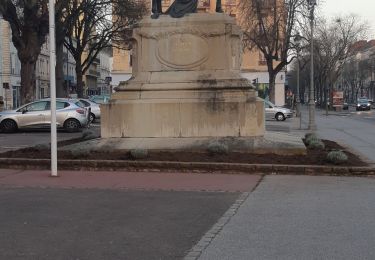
(186, 83)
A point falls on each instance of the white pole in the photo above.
(52, 56)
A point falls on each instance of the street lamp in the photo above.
(312, 125)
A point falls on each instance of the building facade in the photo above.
(10, 68)
(96, 79)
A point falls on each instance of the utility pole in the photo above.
(312, 125)
(52, 53)
(297, 40)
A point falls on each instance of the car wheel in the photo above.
(92, 118)
(72, 125)
(280, 117)
(8, 126)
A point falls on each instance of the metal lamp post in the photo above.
(312, 125)
(297, 40)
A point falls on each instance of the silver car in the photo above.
(70, 115)
(275, 112)
(95, 109)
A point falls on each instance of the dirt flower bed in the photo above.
(313, 157)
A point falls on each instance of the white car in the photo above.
(70, 115)
(274, 112)
(95, 109)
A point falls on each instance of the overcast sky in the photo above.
(364, 8)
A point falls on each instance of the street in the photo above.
(167, 215)
(31, 137)
(350, 128)
(354, 129)
(111, 215)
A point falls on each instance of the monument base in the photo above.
(185, 113)
(186, 83)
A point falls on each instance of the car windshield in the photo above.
(268, 103)
(363, 101)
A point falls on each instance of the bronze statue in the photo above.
(179, 8)
(218, 6)
(156, 9)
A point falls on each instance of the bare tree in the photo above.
(332, 48)
(28, 21)
(355, 76)
(93, 25)
(269, 26)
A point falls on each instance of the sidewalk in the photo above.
(300, 217)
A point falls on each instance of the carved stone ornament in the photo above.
(198, 31)
(176, 51)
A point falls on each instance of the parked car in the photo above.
(71, 115)
(345, 106)
(372, 103)
(363, 104)
(95, 109)
(100, 99)
(275, 112)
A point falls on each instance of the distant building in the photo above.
(69, 68)
(97, 78)
(99, 71)
(10, 68)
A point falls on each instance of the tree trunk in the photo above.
(272, 85)
(79, 79)
(61, 88)
(28, 83)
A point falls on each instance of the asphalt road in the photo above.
(351, 128)
(43, 223)
(31, 137)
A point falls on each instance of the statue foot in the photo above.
(155, 16)
(219, 10)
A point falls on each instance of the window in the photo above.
(41, 92)
(37, 106)
(87, 104)
(61, 105)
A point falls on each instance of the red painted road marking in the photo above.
(131, 180)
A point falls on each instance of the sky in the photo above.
(363, 8)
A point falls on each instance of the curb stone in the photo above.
(195, 167)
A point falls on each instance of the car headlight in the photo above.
(368, 104)
(358, 105)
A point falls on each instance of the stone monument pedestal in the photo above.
(186, 83)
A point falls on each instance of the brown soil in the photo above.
(313, 157)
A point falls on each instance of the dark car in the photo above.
(345, 106)
(363, 104)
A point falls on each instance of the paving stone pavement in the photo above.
(301, 217)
